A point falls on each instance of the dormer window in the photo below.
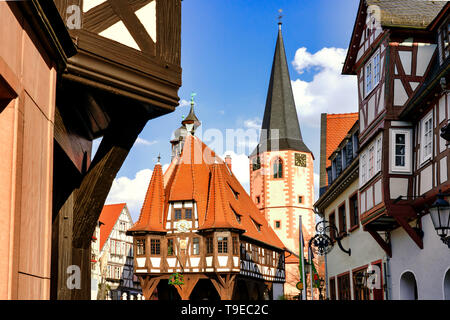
(257, 225)
(238, 216)
(235, 193)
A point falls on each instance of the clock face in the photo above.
(182, 226)
(300, 160)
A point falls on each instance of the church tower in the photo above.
(281, 166)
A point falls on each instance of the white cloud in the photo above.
(130, 191)
(145, 142)
(184, 103)
(329, 91)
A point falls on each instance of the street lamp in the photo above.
(321, 285)
(440, 216)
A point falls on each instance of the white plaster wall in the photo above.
(429, 265)
(364, 249)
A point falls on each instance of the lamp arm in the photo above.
(338, 239)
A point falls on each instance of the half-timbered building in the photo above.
(338, 204)
(197, 221)
(126, 72)
(398, 53)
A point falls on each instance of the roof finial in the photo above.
(280, 17)
(159, 159)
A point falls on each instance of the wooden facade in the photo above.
(395, 61)
(110, 89)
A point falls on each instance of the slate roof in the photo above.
(280, 112)
(407, 13)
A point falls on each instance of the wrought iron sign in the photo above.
(321, 243)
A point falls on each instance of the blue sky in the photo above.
(227, 52)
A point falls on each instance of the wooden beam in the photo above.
(224, 286)
(185, 290)
(92, 193)
(148, 285)
(410, 231)
(383, 244)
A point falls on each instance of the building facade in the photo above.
(399, 55)
(35, 46)
(339, 206)
(281, 166)
(199, 227)
(116, 256)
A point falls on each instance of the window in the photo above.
(209, 245)
(277, 224)
(188, 213)
(338, 164)
(300, 199)
(379, 149)
(360, 292)
(222, 244)
(170, 251)
(196, 246)
(426, 147)
(177, 214)
(372, 71)
(140, 247)
(354, 214)
(258, 199)
(370, 161)
(256, 164)
(332, 289)
(155, 246)
(278, 169)
(349, 152)
(343, 283)
(342, 219)
(235, 246)
(332, 220)
(401, 142)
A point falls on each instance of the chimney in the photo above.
(228, 160)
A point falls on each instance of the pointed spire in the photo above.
(151, 218)
(191, 122)
(280, 127)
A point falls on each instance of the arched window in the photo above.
(447, 285)
(278, 168)
(408, 286)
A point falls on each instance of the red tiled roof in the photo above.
(200, 175)
(109, 216)
(338, 126)
(151, 217)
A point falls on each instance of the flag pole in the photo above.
(311, 271)
(302, 260)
